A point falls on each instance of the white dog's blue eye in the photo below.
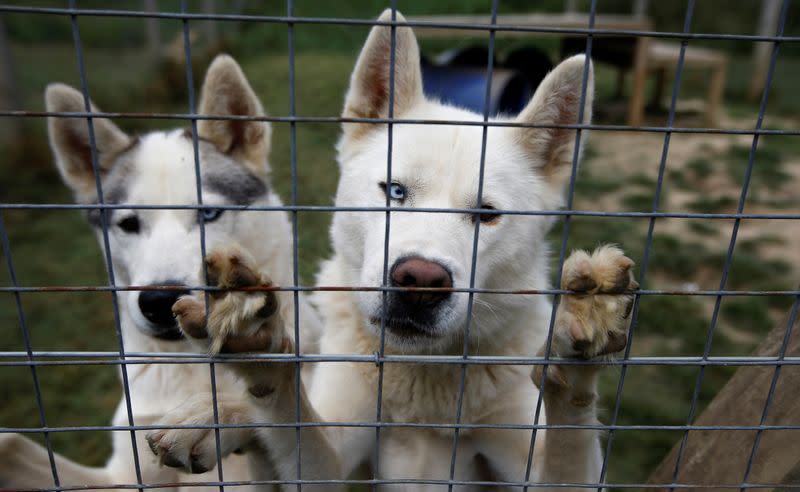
(210, 214)
(395, 191)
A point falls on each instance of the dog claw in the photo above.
(555, 376)
(228, 268)
(270, 305)
(195, 466)
(152, 441)
(616, 343)
(191, 316)
(168, 460)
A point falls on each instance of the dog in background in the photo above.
(162, 247)
(433, 166)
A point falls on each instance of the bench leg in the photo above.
(636, 107)
(716, 88)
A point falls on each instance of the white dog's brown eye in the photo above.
(129, 224)
(489, 218)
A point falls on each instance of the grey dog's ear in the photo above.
(69, 139)
(226, 92)
(557, 102)
(368, 96)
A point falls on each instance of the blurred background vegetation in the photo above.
(704, 174)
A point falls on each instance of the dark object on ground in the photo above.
(459, 77)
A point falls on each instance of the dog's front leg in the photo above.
(588, 326)
(238, 321)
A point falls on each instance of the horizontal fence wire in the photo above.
(432, 210)
(402, 425)
(190, 358)
(337, 288)
(491, 26)
(410, 482)
(371, 22)
(404, 121)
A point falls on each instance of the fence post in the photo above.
(9, 90)
(152, 29)
(714, 457)
(770, 9)
(212, 33)
(640, 8)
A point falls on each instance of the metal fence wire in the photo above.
(34, 359)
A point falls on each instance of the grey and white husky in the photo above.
(162, 247)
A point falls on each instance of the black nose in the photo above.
(418, 272)
(156, 306)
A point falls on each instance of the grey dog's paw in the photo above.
(238, 321)
(194, 450)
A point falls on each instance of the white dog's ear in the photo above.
(69, 139)
(368, 96)
(226, 92)
(557, 102)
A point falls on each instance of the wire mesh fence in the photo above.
(493, 26)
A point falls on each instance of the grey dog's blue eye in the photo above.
(210, 214)
(394, 191)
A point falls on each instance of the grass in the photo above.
(675, 257)
(767, 173)
(588, 184)
(697, 170)
(700, 167)
(679, 179)
(712, 205)
(750, 314)
(638, 202)
(702, 229)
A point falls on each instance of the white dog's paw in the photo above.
(594, 321)
(238, 321)
(195, 450)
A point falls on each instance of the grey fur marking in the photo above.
(219, 174)
(231, 179)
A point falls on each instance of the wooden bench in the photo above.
(662, 57)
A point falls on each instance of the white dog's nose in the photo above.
(419, 272)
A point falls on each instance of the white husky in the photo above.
(433, 166)
(162, 247)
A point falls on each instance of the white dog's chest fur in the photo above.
(419, 393)
(430, 393)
